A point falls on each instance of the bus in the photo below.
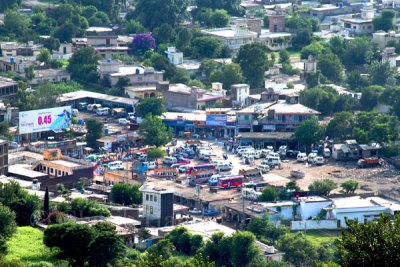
(213, 181)
(201, 167)
(199, 177)
(232, 181)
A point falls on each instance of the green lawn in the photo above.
(317, 237)
(27, 246)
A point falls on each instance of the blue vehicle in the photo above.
(211, 212)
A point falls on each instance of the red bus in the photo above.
(201, 167)
(232, 181)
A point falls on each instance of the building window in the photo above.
(151, 197)
(151, 209)
(147, 197)
(155, 198)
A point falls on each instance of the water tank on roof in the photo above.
(137, 71)
(109, 60)
(12, 60)
(80, 122)
(340, 4)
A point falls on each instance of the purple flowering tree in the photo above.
(143, 42)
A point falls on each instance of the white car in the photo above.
(263, 167)
(123, 121)
(150, 165)
(318, 160)
(302, 157)
(311, 157)
(195, 211)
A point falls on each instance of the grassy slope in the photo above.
(318, 237)
(27, 246)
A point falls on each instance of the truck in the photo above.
(369, 162)
(250, 194)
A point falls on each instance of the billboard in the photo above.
(42, 120)
(216, 119)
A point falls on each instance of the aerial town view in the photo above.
(199, 133)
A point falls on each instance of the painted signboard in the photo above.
(42, 120)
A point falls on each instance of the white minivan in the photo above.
(223, 166)
(272, 161)
(115, 165)
(103, 111)
(302, 157)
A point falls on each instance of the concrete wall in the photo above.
(310, 209)
(308, 225)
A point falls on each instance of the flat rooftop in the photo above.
(25, 170)
(313, 199)
(65, 163)
(5, 82)
(228, 33)
(81, 94)
(353, 202)
(205, 229)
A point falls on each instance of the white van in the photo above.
(223, 166)
(242, 147)
(115, 165)
(245, 150)
(272, 161)
(93, 107)
(311, 157)
(169, 160)
(75, 112)
(318, 160)
(327, 153)
(301, 157)
(103, 111)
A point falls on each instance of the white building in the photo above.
(233, 37)
(174, 56)
(51, 76)
(311, 206)
(389, 55)
(275, 40)
(362, 25)
(383, 38)
(240, 94)
(137, 75)
(157, 205)
(352, 208)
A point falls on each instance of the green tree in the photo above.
(269, 194)
(81, 207)
(155, 153)
(359, 51)
(30, 72)
(349, 186)
(126, 194)
(8, 4)
(385, 22)
(244, 251)
(184, 39)
(331, 67)
(298, 251)
(72, 240)
(253, 61)
(165, 34)
(105, 249)
(95, 130)
(154, 131)
(219, 18)
(309, 132)
(133, 27)
(314, 49)
(340, 126)
(382, 73)
(171, 12)
(209, 66)
(83, 65)
(356, 80)
(7, 222)
(284, 56)
(17, 24)
(206, 47)
(320, 98)
(322, 187)
(370, 96)
(163, 248)
(150, 105)
(44, 56)
(46, 203)
(337, 45)
(229, 75)
(372, 243)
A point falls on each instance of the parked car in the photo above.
(123, 121)
(195, 211)
(292, 153)
(13, 145)
(115, 165)
(302, 157)
(183, 168)
(93, 107)
(184, 160)
(223, 166)
(142, 158)
(211, 212)
(150, 165)
(103, 111)
(169, 160)
(263, 167)
(272, 161)
(318, 160)
(326, 153)
(311, 157)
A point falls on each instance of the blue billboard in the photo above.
(216, 119)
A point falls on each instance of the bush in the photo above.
(81, 207)
(126, 194)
